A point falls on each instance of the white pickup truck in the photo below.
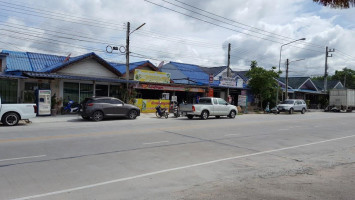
(11, 114)
(209, 106)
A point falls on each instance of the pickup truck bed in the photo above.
(11, 114)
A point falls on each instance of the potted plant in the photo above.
(54, 105)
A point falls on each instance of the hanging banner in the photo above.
(242, 100)
(240, 83)
(169, 88)
(151, 76)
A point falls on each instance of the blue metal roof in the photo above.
(62, 64)
(121, 67)
(193, 73)
(176, 75)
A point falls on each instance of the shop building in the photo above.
(73, 78)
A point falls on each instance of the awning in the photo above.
(10, 76)
(85, 78)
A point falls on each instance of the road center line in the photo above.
(177, 168)
(155, 142)
(22, 158)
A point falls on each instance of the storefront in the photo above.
(8, 90)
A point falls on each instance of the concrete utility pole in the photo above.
(286, 94)
(228, 67)
(127, 55)
(326, 67)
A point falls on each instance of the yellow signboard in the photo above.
(148, 105)
(151, 76)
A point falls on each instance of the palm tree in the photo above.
(337, 3)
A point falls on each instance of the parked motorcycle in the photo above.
(176, 110)
(71, 107)
(274, 110)
(160, 112)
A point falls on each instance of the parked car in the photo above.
(292, 105)
(98, 108)
(209, 106)
(11, 114)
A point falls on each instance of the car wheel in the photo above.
(85, 117)
(303, 111)
(291, 111)
(10, 119)
(97, 116)
(132, 114)
(190, 116)
(204, 115)
(232, 114)
(218, 117)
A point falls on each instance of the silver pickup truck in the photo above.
(209, 106)
(11, 114)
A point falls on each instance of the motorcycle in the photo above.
(273, 110)
(176, 110)
(71, 107)
(160, 112)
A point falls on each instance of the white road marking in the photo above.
(155, 142)
(177, 168)
(22, 158)
(230, 135)
(285, 129)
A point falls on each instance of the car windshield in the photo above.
(287, 102)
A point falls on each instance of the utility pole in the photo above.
(326, 67)
(286, 95)
(228, 67)
(127, 56)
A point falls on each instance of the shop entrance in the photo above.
(101, 90)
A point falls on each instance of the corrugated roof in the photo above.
(213, 70)
(194, 73)
(122, 67)
(330, 84)
(176, 75)
(62, 64)
(294, 82)
(42, 61)
(242, 74)
(10, 76)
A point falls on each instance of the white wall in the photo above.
(88, 67)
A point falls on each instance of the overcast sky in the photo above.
(196, 32)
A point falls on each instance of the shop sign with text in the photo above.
(151, 76)
(227, 81)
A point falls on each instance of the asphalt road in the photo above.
(253, 156)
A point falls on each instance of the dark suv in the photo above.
(98, 108)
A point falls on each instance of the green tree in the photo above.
(346, 76)
(336, 3)
(253, 64)
(263, 83)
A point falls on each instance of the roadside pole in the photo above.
(228, 68)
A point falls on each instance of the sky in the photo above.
(195, 32)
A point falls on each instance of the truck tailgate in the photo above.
(185, 107)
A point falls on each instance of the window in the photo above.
(8, 90)
(215, 102)
(29, 95)
(114, 91)
(101, 90)
(222, 102)
(71, 91)
(86, 90)
(205, 101)
(115, 101)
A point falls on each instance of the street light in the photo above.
(278, 86)
(287, 63)
(127, 53)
